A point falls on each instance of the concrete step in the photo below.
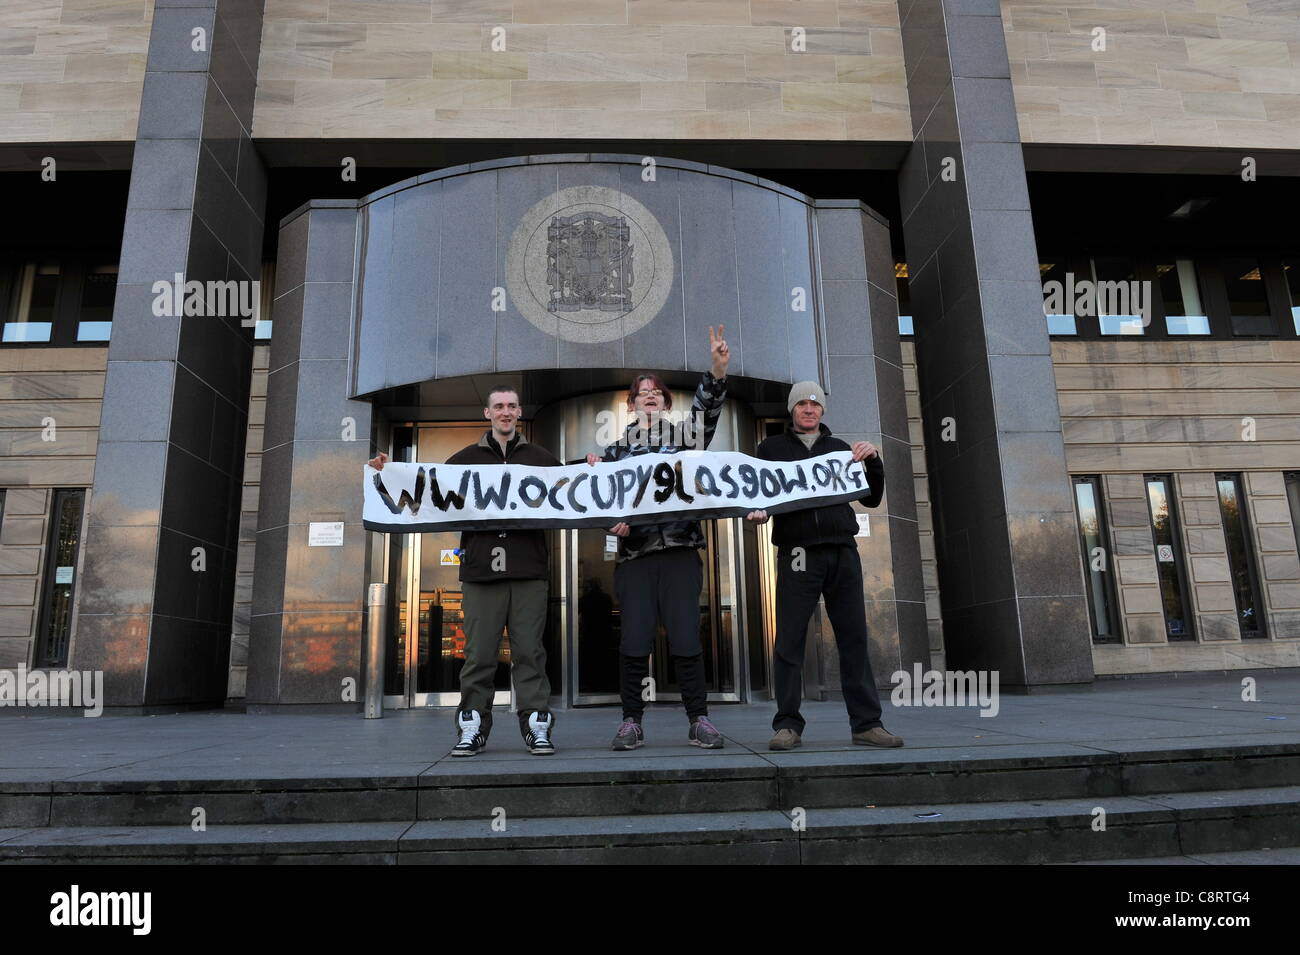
(631, 784)
(1155, 826)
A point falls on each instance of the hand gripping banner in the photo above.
(412, 498)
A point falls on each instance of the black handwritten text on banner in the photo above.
(410, 498)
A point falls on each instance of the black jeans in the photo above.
(690, 678)
(661, 587)
(832, 570)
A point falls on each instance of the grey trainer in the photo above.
(629, 736)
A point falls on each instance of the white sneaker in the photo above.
(471, 737)
(538, 735)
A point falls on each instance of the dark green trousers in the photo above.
(488, 609)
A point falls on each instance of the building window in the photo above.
(905, 326)
(57, 589)
(98, 291)
(1169, 558)
(1241, 562)
(1096, 559)
(1247, 296)
(1292, 496)
(1291, 269)
(32, 302)
(262, 331)
(1057, 324)
(1180, 291)
(1119, 293)
(64, 302)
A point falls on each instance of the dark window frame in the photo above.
(1253, 578)
(1180, 564)
(1212, 288)
(74, 266)
(1219, 290)
(45, 655)
(1291, 481)
(1160, 315)
(1113, 616)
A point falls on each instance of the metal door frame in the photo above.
(409, 698)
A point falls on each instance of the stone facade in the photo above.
(1172, 72)
(1183, 408)
(72, 70)
(67, 385)
(663, 69)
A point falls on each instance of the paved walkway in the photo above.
(1140, 715)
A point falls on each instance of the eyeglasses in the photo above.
(652, 393)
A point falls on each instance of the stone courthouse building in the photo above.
(437, 195)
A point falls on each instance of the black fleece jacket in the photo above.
(833, 524)
(527, 556)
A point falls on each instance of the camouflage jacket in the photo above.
(706, 408)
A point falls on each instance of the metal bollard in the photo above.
(377, 604)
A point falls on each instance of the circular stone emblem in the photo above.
(589, 264)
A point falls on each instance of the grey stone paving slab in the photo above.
(1125, 717)
(1246, 857)
(916, 818)
(580, 830)
(1228, 797)
(1251, 857)
(629, 766)
(1238, 743)
(340, 837)
(901, 759)
(7, 835)
(201, 779)
(1161, 860)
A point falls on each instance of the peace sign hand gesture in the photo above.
(719, 352)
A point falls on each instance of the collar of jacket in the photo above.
(491, 444)
(793, 435)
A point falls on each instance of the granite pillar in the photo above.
(1010, 575)
(156, 599)
(306, 629)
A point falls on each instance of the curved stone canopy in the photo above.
(584, 261)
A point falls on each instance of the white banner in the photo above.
(411, 498)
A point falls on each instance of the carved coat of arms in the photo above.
(589, 263)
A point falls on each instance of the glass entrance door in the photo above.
(425, 595)
(426, 636)
(598, 621)
(590, 619)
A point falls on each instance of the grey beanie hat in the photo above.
(806, 391)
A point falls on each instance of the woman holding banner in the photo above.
(659, 574)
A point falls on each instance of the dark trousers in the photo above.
(489, 608)
(835, 572)
(661, 587)
(690, 678)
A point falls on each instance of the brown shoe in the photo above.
(785, 739)
(877, 736)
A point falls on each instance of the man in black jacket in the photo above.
(659, 574)
(504, 581)
(817, 556)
